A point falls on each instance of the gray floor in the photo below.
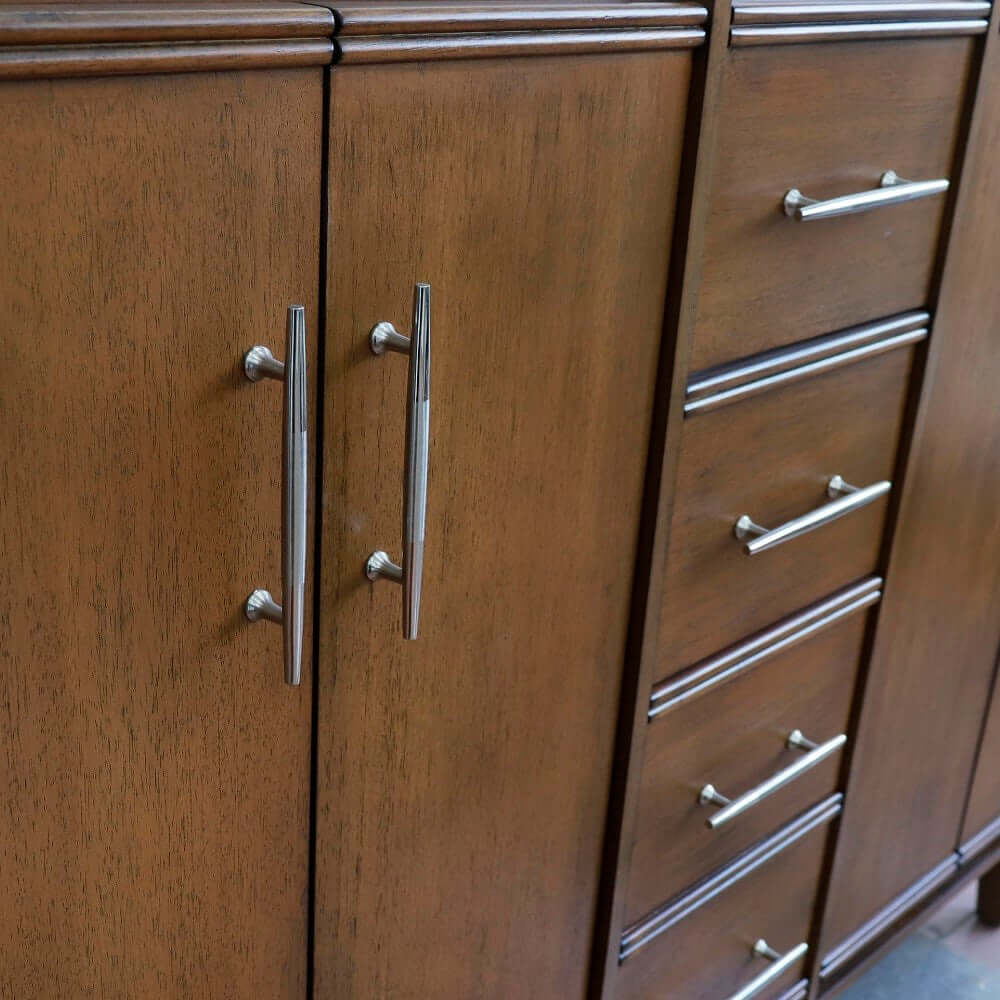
(954, 957)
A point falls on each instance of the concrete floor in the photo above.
(953, 957)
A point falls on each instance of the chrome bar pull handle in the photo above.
(780, 964)
(731, 808)
(847, 499)
(892, 190)
(384, 337)
(259, 363)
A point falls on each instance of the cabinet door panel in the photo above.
(463, 777)
(939, 625)
(984, 796)
(154, 817)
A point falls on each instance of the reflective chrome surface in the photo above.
(259, 363)
(731, 808)
(780, 964)
(892, 190)
(848, 498)
(384, 337)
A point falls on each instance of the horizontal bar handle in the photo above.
(735, 807)
(779, 965)
(892, 190)
(848, 498)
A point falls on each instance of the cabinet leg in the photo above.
(988, 906)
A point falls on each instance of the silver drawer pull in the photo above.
(384, 337)
(892, 190)
(260, 363)
(779, 965)
(735, 807)
(848, 498)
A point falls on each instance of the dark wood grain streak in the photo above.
(121, 21)
(130, 60)
(463, 777)
(421, 48)
(436, 17)
(939, 624)
(154, 817)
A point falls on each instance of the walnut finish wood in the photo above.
(829, 120)
(984, 796)
(771, 457)
(939, 627)
(154, 823)
(707, 952)
(988, 901)
(463, 777)
(734, 737)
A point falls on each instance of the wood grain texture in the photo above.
(734, 737)
(771, 457)
(769, 893)
(154, 813)
(815, 118)
(27, 63)
(122, 21)
(463, 777)
(939, 626)
(984, 795)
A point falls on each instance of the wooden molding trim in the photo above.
(798, 992)
(848, 12)
(791, 34)
(898, 909)
(105, 23)
(738, 659)
(30, 62)
(438, 29)
(729, 383)
(652, 926)
(979, 844)
(438, 17)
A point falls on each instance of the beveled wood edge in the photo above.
(761, 12)
(816, 357)
(151, 22)
(798, 992)
(32, 62)
(976, 845)
(652, 926)
(801, 33)
(436, 17)
(896, 910)
(712, 380)
(741, 657)
(367, 49)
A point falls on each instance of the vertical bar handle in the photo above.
(384, 337)
(258, 364)
(780, 965)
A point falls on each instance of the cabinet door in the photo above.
(939, 625)
(463, 777)
(984, 795)
(154, 812)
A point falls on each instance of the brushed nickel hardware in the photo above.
(892, 190)
(379, 566)
(731, 808)
(259, 363)
(779, 965)
(848, 498)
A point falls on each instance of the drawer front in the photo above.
(771, 457)
(733, 736)
(827, 120)
(706, 950)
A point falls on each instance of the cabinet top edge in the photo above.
(441, 17)
(119, 21)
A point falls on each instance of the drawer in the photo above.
(771, 457)
(726, 723)
(701, 946)
(828, 120)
